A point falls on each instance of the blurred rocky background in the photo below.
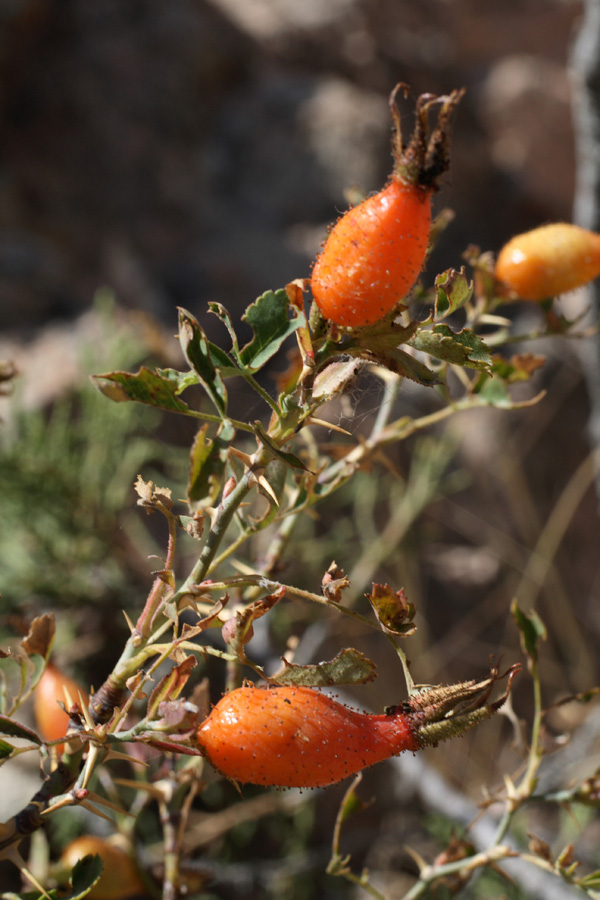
(195, 150)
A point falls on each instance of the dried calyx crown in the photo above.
(427, 154)
(445, 711)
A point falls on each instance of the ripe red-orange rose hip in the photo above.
(548, 261)
(51, 720)
(375, 252)
(120, 878)
(298, 737)
(373, 255)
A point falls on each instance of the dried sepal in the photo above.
(447, 711)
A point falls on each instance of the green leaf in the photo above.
(350, 666)
(196, 349)
(380, 343)
(85, 875)
(221, 313)
(181, 380)
(15, 729)
(207, 466)
(5, 749)
(461, 348)
(154, 388)
(452, 291)
(385, 333)
(351, 804)
(494, 391)
(532, 630)
(290, 459)
(269, 318)
(222, 362)
(519, 367)
(404, 364)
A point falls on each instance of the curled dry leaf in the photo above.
(238, 630)
(393, 610)
(334, 582)
(152, 497)
(40, 636)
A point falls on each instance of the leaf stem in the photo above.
(218, 420)
(261, 392)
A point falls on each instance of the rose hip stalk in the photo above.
(299, 737)
(375, 252)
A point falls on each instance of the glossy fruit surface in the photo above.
(297, 737)
(51, 720)
(120, 878)
(373, 255)
(549, 260)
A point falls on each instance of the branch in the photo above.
(435, 793)
(585, 70)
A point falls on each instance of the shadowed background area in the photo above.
(196, 150)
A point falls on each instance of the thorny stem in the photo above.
(324, 601)
(338, 864)
(282, 537)
(174, 805)
(130, 658)
(225, 513)
(231, 548)
(528, 782)
(279, 543)
(168, 813)
(432, 874)
(504, 823)
(396, 431)
(538, 334)
(360, 881)
(159, 592)
(497, 851)
(386, 407)
(218, 420)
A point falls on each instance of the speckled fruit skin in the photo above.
(373, 255)
(119, 879)
(297, 737)
(51, 720)
(549, 260)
